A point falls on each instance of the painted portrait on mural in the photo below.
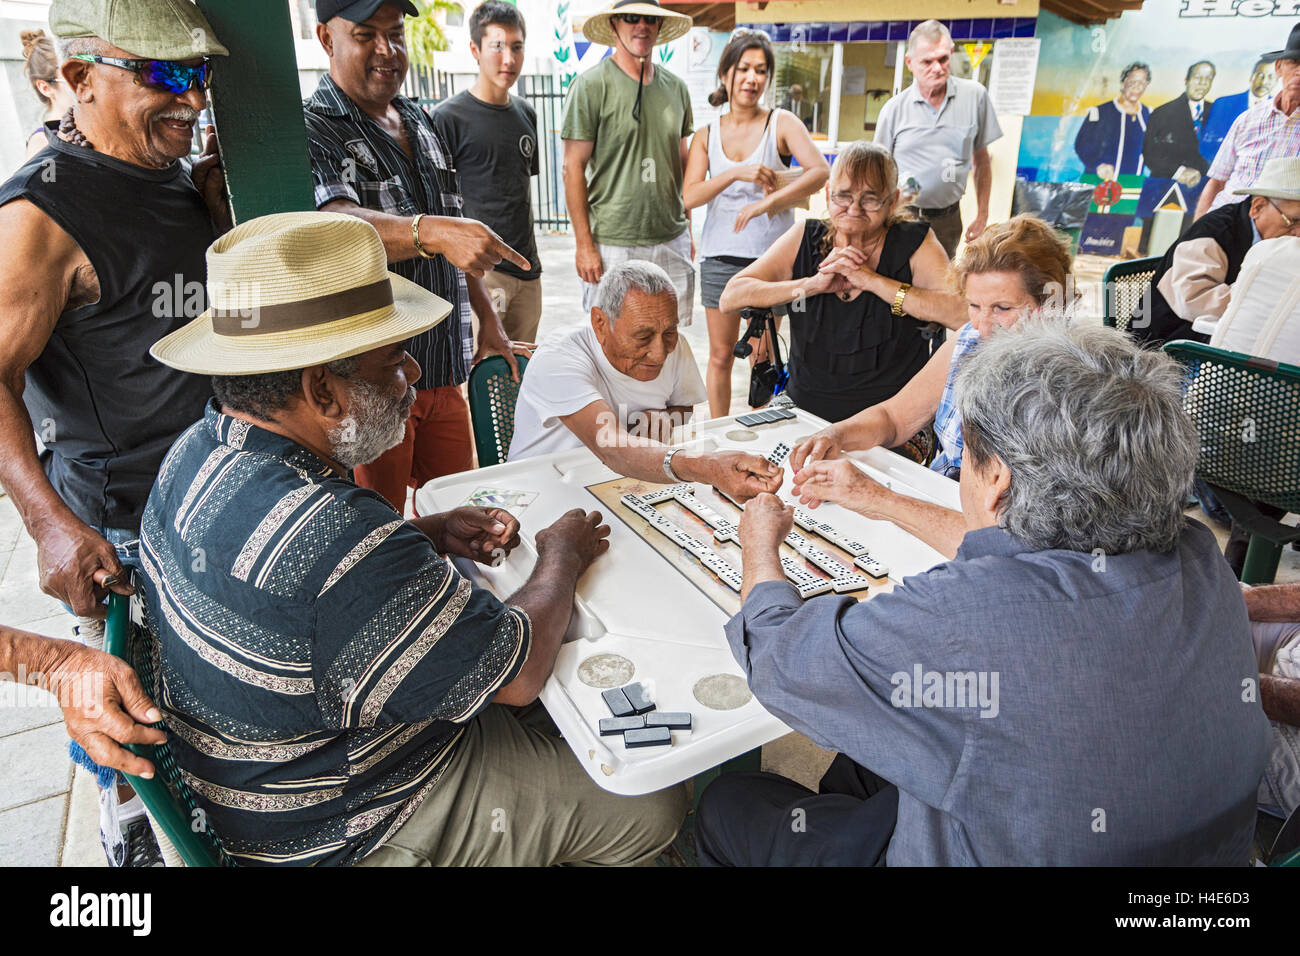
(1139, 122)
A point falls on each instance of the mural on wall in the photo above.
(1139, 106)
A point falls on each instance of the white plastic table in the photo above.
(634, 604)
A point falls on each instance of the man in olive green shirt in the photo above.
(626, 133)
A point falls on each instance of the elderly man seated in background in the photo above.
(621, 385)
(1194, 279)
(1067, 689)
(326, 674)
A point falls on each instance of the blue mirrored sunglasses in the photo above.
(166, 75)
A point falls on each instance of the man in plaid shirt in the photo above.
(1266, 130)
(375, 154)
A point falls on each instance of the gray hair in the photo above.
(265, 394)
(72, 46)
(1092, 429)
(931, 30)
(622, 279)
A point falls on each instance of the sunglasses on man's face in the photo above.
(168, 75)
(635, 18)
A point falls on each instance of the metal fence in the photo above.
(430, 87)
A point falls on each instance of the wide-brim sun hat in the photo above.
(297, 289)
(672, 24)
(1280, 179)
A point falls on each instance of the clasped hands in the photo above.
(844, 272)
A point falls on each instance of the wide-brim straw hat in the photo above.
(297, 289)
(1280, 179)
(672, 24)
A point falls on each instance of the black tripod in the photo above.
(767, 378)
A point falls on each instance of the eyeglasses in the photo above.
(867, 202)
(159, 74)
(635, 18)
(500, 46)
(1290, 223)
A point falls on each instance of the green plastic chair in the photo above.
(170, 802)
(492, 397)
(1247, 413)
(1123, 287)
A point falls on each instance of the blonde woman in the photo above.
(1014, 270)
(860, 285)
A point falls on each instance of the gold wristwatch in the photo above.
(897, 308)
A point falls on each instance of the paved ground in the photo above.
(48, 816)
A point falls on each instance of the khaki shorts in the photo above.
(518, 302)
(673, 256)
(515, 795)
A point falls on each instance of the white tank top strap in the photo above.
(718, 237)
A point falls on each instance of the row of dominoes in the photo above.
(807, 583)
(861, 556)
(766, 417)
(726, 572)
(843, 580)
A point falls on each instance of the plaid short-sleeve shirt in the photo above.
(317, 659)
(947, 420)
(353, 158)
(1257, 135)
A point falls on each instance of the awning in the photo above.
(1087, 12)
(715, 16)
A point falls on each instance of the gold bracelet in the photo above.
(415, 237)
(897, 308)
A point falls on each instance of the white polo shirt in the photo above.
(568, 375)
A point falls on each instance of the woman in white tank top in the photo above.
(740, 166)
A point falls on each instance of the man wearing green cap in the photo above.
(105, 234)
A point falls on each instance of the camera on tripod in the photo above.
(768, 377)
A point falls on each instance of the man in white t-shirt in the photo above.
(620, 386)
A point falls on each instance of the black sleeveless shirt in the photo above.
(106, 410)
(847, 356)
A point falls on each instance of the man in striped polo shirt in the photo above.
(331, 684)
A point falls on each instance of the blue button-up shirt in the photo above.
(1033, 707)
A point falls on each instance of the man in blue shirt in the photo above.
(1076, 686)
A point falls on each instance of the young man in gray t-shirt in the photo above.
(492, 137)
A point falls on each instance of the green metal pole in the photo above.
(258, 108)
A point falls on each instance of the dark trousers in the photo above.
(947, 229)
(762, 819)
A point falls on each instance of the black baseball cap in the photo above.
(358, 11)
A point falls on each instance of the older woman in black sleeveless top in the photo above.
(861, 287)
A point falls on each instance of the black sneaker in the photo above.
(138, 847)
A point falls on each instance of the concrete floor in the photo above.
(48, 814)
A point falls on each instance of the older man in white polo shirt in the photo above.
(621, 384)
(937, 129)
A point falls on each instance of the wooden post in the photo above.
(258, 108)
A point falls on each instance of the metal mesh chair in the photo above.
(492, 397)
(1123, 288)
(1247, 413)
(180, 826)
